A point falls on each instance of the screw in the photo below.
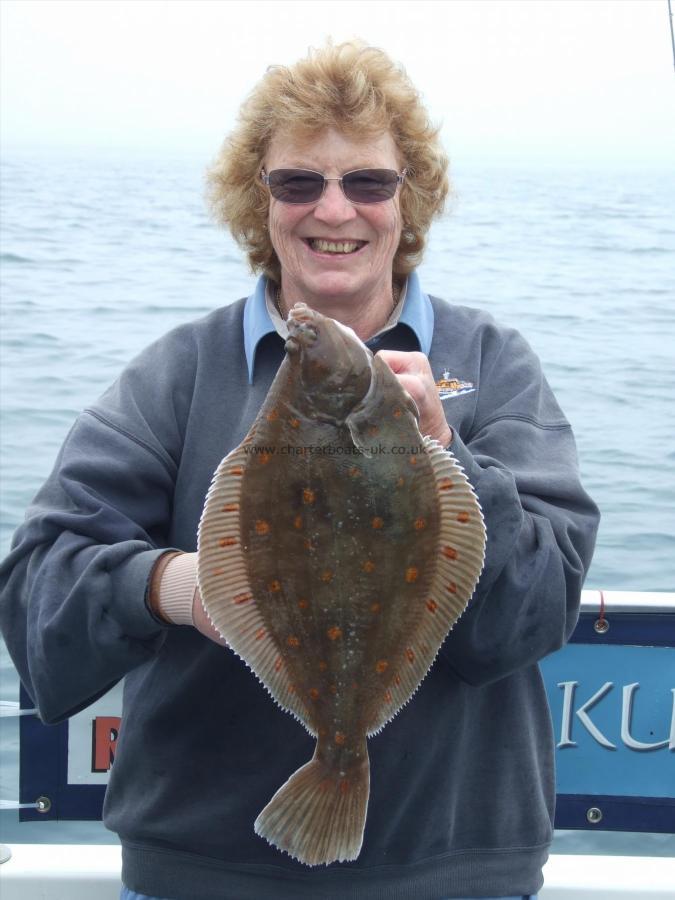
(601, 626)
(43, 804)
(594, 815)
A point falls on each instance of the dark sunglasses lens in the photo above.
(370, 185)
(295, 185)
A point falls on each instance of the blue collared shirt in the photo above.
(417, 314)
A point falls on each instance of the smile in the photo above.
(320, 245)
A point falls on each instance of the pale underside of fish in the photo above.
(337, 548)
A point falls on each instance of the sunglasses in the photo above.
(359, 186)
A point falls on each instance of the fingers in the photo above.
(411, 362)
(413, 372)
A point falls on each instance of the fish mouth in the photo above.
(302, 329)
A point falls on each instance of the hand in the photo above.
(414, 373)
(174, 595)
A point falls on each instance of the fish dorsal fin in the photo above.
(224, 586)
(363, 416)
(461, 554)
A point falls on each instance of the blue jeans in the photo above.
(126, 894)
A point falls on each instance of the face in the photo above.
(310, 272)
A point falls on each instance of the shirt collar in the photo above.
(261, 319)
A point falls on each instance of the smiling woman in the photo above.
(358, 94)
(335, 253)
(101, 581)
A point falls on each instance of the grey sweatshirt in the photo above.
(462, 780)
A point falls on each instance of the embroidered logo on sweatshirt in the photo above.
(448, 386)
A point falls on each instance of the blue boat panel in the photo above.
(612, 699)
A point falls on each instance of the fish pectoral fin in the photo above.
(384, 386)
(318, 816)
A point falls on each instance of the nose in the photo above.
(333, 208)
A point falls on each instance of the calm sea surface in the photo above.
(101, 256)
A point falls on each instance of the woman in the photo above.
(330, 183)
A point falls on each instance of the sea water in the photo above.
(100, 255)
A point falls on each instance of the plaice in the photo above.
(337, 548)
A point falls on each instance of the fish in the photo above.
(336, 549)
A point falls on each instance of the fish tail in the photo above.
(319, 814)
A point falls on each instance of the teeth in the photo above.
(334, 247)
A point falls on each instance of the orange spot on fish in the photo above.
(412, 574)
(274, 586)
(297, 522)
(381, 666)
(400, 481)
(326, 576)
(377, 522)
(387, 697)
(323, 665)
(446, 485)
(292, 689)
(218, 572)
(277, 664)
(432, 606)
(242, 598)
(295, 423)
(308, 495)
(355, 471)
(262, 527)
(323, 731)
(373, 430)
(272, 415)
(419, 524)
(450, 552)
(302, 603)
(231, 507)
(451, 588)
(412, 460)
(308, 545)
(293, 641)
(344, 786)
(410, 656)
(376, 607)
(264, 458)
(236, 470)
(397, 413)
(260, 634)
(340, 738)
(463, 516)
(332, 688)
(227, 542)
(368, 566)
(397, 679)
(334, 633)
(313, 693)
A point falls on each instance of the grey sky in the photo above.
(569, 80)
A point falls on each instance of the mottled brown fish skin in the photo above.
(342, 565)
(336, 549)
(340, 547)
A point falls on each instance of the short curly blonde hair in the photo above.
(361, 92)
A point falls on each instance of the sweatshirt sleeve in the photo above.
(73, 606)
(519, 454)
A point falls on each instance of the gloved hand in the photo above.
(174, 595)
